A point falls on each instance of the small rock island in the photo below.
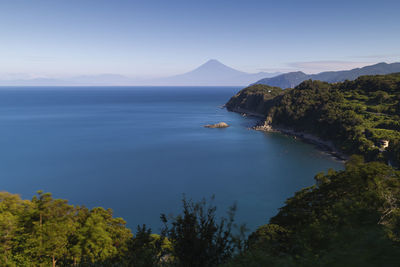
(217, 125)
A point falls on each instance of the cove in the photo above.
(137, 150)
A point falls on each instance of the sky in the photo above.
(56, 38)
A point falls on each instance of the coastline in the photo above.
(325, 146)
(245, 112)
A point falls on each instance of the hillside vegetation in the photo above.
(357, 116)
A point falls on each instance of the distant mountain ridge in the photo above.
(292, 79)
(213, 72)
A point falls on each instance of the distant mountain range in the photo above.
(292, 79)
(212, 73)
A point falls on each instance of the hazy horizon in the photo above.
(324, 66)
(211, 73)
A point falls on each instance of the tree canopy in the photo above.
(47, 232)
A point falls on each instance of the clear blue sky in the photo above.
(158, 38)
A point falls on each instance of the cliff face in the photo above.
(256, 99)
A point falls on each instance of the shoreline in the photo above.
(324, 146)
(245, 112)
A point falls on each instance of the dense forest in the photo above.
(359, 117)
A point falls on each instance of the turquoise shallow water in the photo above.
(138, 149)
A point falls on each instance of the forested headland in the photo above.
(359, 117)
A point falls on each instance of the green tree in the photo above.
(11, 209)
(147, 250)
(102, 238)
(197, 238)
(53, 223)
(50, 232)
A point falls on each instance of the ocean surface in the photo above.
(137, 150)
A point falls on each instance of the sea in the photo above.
(140, 150)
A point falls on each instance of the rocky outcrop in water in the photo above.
(217, 125)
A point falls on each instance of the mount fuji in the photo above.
(213, 73)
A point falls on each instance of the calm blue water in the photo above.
(137, 150)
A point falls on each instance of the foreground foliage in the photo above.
(50, 232)
(47, 231)
(349, 218)
(196, 237)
